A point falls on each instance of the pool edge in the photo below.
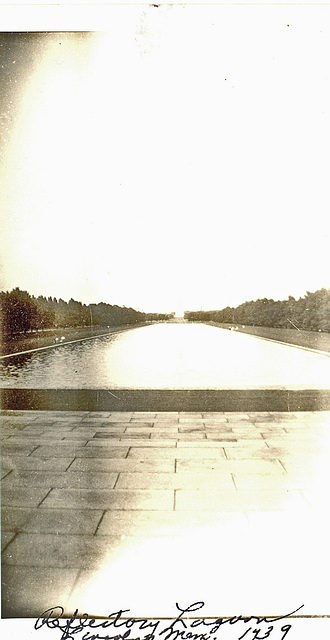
(157, 400)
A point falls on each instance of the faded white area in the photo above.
(177, 160)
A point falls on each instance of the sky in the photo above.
(177, 159)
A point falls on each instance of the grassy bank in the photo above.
(39, 339)
(309, 339)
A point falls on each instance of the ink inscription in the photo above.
(187, 625)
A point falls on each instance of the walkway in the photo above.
(102, 511)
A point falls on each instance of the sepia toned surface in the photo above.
(177, 161)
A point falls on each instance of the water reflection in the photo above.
(168, 356)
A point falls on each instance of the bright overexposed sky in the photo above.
(177, 160)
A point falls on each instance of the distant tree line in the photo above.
(20, 312)
(312, 312)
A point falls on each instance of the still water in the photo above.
(172, 356)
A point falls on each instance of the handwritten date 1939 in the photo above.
(185, 626)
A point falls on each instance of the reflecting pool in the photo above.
(172, 356)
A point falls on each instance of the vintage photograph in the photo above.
(165, 324)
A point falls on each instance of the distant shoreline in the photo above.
(56, 337)
(308, 339)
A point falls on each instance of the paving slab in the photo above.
(238, 416)
(23, 431)
(176, 523)
(164, 434)
(4, 472)
(179, 454)
(109, 499)
(41, 438)
(25, 590)
(221, 437)
(175, 481)
(255, 453)
(131, 441)
(143, 415)
(78, 451)
(95, 419)
(231, 466)
(24, 448)
(60, 551)
(217, 426)
(247, 435)
(33, 463)
(22, 419)
(116, 431)
(69, 479)
(192, 436)
(64, 521)
(120, 416)
(23, 496)
(257, 483)
(212, 444)
(116, 426)
(123, 464)
(241, 501)
(6, 538)
(12, 518)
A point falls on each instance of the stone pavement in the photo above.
(136, 510)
